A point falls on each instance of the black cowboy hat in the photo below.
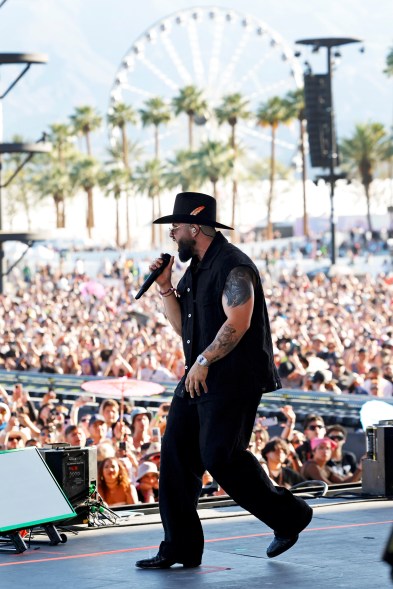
(193, 207)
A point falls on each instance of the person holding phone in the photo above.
(219, 310)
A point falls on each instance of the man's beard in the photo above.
(186, 249)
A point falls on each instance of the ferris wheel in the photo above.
(220, 52)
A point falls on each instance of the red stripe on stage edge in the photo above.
(212, 540)
(71, 556)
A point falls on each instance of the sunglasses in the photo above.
(337, 438)
(315, 427)
(13, 439)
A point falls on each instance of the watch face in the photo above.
(202, 360)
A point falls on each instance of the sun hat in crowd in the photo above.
(146, 468)
(152, 450)
(97, 417)
(6, 411)
(15, 433)
(139, 411)
(194, 207)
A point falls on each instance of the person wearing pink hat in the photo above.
(317, 469)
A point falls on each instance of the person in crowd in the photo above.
(15, 440)
(353, 385)
(360, 363)
(152, 454)
(84, 422)
(292, 373)
(376, 384)
(140, 427)
(5, 415)
(276, 455)
(342, 461)
(44, 414)
(105, 449)
(114, 484)
(160, 417)
(219, 310)
(258, 441)
(317, 469)
(152, 370)
(298, 438)
(48, 435)
(75, 436)
(97, 430)
(314, 428)
(121, 430)
(111, 411)
(147, 482)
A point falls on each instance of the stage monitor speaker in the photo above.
(29, 493)
(318, 104)
(377, 476)
(75, 469)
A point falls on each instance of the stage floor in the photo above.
(342, 547)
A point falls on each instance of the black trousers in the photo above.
(214, 435)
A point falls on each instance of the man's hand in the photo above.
(163, 279)
(196, 380)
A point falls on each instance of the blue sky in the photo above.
(87, 39)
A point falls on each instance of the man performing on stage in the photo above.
(219, 310)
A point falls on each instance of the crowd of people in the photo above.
(330, 334)
(128, 446)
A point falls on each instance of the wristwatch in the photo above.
(202, 361)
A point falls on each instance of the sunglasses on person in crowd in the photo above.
(337, 438)
(15, 439)
(315, 427)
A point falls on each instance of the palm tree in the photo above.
(155, 113)
(389, 73)
(213, 161)
(361, 154)
(19, 188)
(120, 116)
(150, 179)
(191, 102)
(53, 179)
(271, 114)
(180, 171)
(389, 63)
(84, 121)
(53, 170)
(85, 174)
(296, 105)
(134, 151)
(60, 136)
(115, 180)
(233, 109)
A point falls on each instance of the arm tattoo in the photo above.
(238, 286)
(224, 342)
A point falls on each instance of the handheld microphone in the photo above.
(166, 258)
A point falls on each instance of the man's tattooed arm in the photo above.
(238, 303)
(239, 286)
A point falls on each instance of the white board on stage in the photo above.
(29, 493)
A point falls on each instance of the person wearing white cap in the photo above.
(147, 482)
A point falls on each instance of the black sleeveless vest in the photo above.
(249, 368)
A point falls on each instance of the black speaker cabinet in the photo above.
(75, 469)
(377, 477)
